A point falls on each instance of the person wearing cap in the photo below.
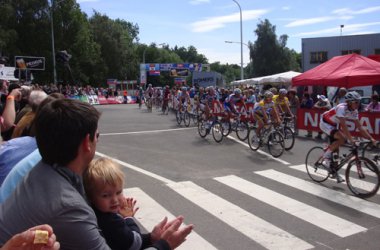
(334, 124)
(322, 104)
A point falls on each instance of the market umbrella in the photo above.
(342, 71)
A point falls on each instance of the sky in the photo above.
(207, 24)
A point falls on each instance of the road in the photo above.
(236, 198)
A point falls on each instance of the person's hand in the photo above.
(16, 93)
(175, 236)
(25, 240)
(127, 207)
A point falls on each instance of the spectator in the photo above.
(307, 103)
(66, 134)
(339, 98)
(23, 126)
(26, 240)
(374, 105)
(322, 104)
(9, 113)
(115, 212)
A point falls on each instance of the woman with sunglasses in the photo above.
(334, 123)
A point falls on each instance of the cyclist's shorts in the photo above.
(328, 129)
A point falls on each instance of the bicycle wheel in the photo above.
(217, 131)
(178, 116)
(202, 131)
(314, 167)
(242, 131)
(253, 139)
(186, 118)
(371, 152)
(289, 138)
(362, 177)
(275, 144)
(226, 128)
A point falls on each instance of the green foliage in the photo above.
(269, 55)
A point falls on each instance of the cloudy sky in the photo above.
(207, 24)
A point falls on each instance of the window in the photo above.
(377, 51)
(318, 57)
(351, 51)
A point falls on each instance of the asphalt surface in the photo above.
(236, 198)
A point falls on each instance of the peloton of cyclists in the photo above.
(334, 123)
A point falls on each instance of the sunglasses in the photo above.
(97, 136)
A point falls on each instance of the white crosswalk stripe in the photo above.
(320, 218)
(259, 230)
(151, 213)
(352, 202)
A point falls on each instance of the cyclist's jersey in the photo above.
(341, 110)
(166, 93)
(149, 92)
(251, 99)
(202, 98)
(183, 97)
(210, 99)
(263, 106)
(141, 92)
(281, 102)
(232, 98)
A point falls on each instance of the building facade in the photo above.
(320, 49)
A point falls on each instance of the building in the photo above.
(320, 49)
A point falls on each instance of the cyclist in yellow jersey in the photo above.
(282, 103)
(263, 109)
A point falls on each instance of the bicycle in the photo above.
(184, 116)
(269, 136)
(371, 151)
(207, 126)
(358, 166)
(240, 127)
(287, 131)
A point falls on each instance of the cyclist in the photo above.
(231, 101)
(263, 110)
(166, 97)
(281, 102)
(183, 98)
(334, 123)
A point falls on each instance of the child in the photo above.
(104, 181)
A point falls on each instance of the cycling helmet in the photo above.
(183, 88)
(352, 96)
(268, 94)
(237, 91)
(149, 85)
(273, 90)
(283, 91)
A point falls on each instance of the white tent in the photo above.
(284, 78)
(7, 73)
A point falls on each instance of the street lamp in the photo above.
(52, 6)
(241, 42)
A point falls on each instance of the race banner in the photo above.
(308, 119)
(30, 63)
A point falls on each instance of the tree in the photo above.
(269, 55)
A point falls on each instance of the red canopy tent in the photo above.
(342, 71)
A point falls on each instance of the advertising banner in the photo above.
(308, 119)
(30, 63)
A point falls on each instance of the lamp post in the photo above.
(241, 42)
(52, 6)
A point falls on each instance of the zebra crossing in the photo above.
(336, 224)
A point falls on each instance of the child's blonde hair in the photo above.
(101, 172)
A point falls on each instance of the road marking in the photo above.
(364, 185)
(349, 201)
(261, 231)
(259, 151)
(151, 213)
(147, 132)
(137, 169)
(315, 216)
